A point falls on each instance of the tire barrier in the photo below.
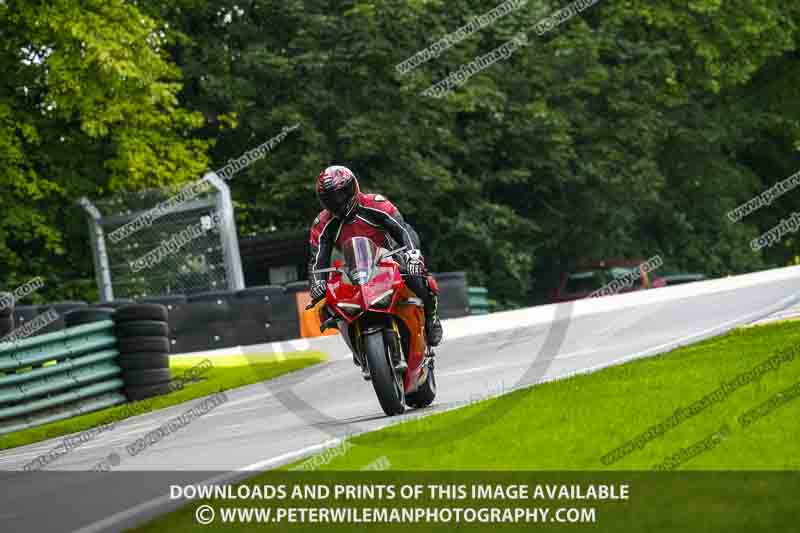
(8, 309)
(50, 377)
(97, 356)
(7, 318)
(103, 358)
(264, 303)
(214, 306)
(210, 336)
(114, 304)
(60, 308)
(453, 295)
(143, 311)
(176, 309)
(265, 314)
(178, 319)
(211, 326)
(79, 317)
(143, 328)
(142, 392)
(223, 319)
(282, 303)
(143, 360)
(296, 286)
(6, 324)
(218, 319)
(24, 314)
(143, 335)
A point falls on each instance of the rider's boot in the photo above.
(433, 326)
(427, 291)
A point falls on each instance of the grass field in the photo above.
(227, 372)
(570, 425)
(573, 423)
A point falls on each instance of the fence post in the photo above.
(227, 231)
(97, 237)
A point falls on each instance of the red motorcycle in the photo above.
(383, 324)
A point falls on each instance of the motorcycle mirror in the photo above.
(383, 255)
(325, 270)
(394, 252)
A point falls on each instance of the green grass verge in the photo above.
(228, 372)
(571, 424)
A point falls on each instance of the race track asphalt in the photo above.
(264, 425)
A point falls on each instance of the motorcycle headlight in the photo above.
(350, 309)
(383, 300)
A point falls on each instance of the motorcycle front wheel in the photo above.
(388, 385)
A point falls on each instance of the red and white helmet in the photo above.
(337, 189)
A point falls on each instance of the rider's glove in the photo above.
(317, 290)
(415, 264)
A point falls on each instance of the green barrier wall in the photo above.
(478, 300)
(58, 375)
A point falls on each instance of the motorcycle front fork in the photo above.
(392, 340)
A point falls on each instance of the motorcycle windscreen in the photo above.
(359, 259)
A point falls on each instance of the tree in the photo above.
(89, 106)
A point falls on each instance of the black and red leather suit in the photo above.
(378, 219)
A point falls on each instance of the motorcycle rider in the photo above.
(347, 213)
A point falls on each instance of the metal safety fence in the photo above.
(59, 375)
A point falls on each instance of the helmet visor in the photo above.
(340, 201)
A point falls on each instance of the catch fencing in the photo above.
(186, 244)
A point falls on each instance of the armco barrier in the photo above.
(55, 414)
(57, 375)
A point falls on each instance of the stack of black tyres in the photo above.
(143, 339)
(114, 304)
(6, 316)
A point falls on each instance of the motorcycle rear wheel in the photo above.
(425, 394)
(387, 384)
